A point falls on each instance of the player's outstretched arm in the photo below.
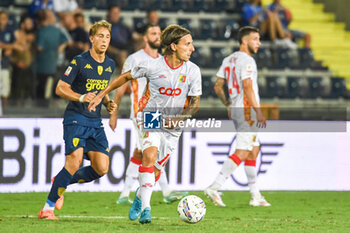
(65, 91)
(117, 82)
(110, 105)
(117, 98)
(249, 93)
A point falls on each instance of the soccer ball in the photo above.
(191, 209)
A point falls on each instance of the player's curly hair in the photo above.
(172, 34)
(97, 25)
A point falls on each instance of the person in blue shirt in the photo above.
(40, 5)
(84, 136)
(122, 36)
(256, 16)
(285, 16)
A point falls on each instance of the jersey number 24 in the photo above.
(234, 79)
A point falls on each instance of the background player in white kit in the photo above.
(151, 38)
(239, 70)
(173, 79)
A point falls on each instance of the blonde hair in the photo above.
(172, 34)
(99, 24)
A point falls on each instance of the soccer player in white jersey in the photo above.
(240, 72)
(173, 80)
(151, 38)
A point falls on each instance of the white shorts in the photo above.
(246, 141)
(5, 83)
(164, 141)
(139, 135)
(246, 131)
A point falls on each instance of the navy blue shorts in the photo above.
(91, 139)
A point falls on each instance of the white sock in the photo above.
(227, 169)
(250, 171)
(47, 207)
(163, 183)
(131, 176)
(147, 181)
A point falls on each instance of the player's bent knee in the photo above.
(149, 156)
(72, 163)
(101, 170)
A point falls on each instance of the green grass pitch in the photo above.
(291, 211)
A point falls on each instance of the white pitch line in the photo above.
(283, 220)
(77, 216)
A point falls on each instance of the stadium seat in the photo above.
(306, 58)
(274, 87)
(179, 5)
(186, 23)
(195, 6)
(316, 87)
(208, 87)
(138, 23)
(296, 87)
(6, 3)
(283, 58)
(163, 22)
(21, 4)
(338, 88)
(163, 5)
(94, 19)
(132, 5)
(216, 56)
(238, 4)
(220, 5)
(88, 4)
(228, 29)
(264, 58)
(198, 57)
(207, 29)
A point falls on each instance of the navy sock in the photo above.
(58, 187)
(84, 175)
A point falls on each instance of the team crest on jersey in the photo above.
(68, 70)
(109, 69)
(99, 70)
(145, 135)
(88, 66)
(75, 142)
(182, 78)
(249, 68)
(73, 62)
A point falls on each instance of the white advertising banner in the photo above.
(32, 152)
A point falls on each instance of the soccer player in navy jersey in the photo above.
(84, 136)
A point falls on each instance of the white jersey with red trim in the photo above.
(169, 87)
(137, 86)
(235, 68)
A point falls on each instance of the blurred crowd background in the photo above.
(302, 62)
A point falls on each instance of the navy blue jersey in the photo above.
(84, 74)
